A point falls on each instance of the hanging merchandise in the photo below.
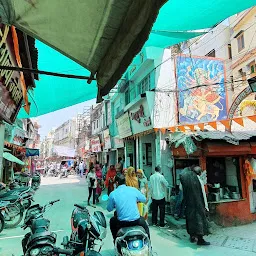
(253, 164)
(32, 152)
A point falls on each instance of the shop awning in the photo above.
(103, 36)
(32, 152)
(12, 158)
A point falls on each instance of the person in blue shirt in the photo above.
(124, 199)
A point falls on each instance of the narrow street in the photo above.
(74, 190)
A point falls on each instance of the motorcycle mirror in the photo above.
(104, 198)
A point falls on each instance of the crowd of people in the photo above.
(131, 193)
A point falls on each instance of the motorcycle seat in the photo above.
(43, 235)
(133, 231)
(40, 225)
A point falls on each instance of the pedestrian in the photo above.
(81, 168)
(124, 199)
(110, 178)
(158, 191)
(131, 179)
(99, 181)
(124, 171)
(143, 187)
(195, 205)
(119, 165)
(92, 185)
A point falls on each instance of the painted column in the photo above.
(158, 148)
(137, 153)
(1, 149)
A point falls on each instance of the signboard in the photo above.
(10, 89)
(140, 117)
(118, 143)
(241, 96)
(107, 139)
(123, 125)
(95, 145)
(201, 103)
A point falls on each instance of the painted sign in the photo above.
(140, 117)
(241, 96)
(123, 125)
(202, 93)
(96, 145)
(118, 143)
(10, 89)
(107, 139)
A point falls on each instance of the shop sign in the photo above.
(123, 125)
(118, 143)
(140, 118)
(129, 147)
(107, 139)
(95, 145)
(10, 89)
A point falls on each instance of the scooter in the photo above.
(36, 181)
(39, 239)
(86, 230)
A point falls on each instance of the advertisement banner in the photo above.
(96, 145)
(107, 139)
(10, 88)
(118, 143)
(123, 125)
(201, 86)
(140, 117)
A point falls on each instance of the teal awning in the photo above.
(103, 37)
(12, 158)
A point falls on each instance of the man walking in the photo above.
(81, 168)
(196, 205)
(158, 190)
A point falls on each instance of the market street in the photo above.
(74, 190)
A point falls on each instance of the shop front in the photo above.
(230, 192)
(96, 149)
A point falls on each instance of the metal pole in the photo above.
(35, 71)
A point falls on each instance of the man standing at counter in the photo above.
(196, 221)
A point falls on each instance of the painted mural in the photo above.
(201, 89)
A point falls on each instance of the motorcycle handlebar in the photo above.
(54, 201)
(80, 206)
(63, 251)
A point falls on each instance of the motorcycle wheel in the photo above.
(14, 222)
(1, 222)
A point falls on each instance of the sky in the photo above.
(55, 119)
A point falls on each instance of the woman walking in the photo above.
(131, 179)
(92, 185)
(110, 178)
(99, 182)
(143, 187)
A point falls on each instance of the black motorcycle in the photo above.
(86, 230)
(39, 241)
(36, 181)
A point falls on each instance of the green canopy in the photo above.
(103, 36)
(12, 158)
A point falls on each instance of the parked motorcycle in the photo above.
(87, 229)
(36, 181)
(2, 212)
(39, 241)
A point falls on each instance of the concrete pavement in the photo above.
(74, 190)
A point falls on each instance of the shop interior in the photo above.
(223, 179)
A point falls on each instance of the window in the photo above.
(240, 42)
(148, 154)
(97, 124)
(229, 51)
(252, 67)
(144, 85)
(211, 53)
(132, 93)
(127, 97)
(94, 125)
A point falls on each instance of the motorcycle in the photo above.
(2, 212)
(86, 230)
(39, 241)
(36, 181)
(63, 172)
(132, 241)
